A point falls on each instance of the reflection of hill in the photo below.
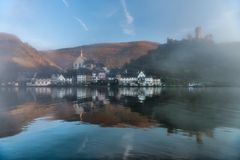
(112, 115)
(13, 122)
(196, 112)
(200, 110)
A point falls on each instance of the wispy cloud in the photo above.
(65, 2)
(82, 23)
(111, 13)
(128, 16)
(127, 26)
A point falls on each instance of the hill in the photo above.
(110, 54)
(16, 56)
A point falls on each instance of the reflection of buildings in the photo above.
(96, 94)
(40, 90)
(141, 93)
(82, 108)
(93, 106)
(61, 92)
(88, 101)
(85, 93)
(134, 92)
(54, 93)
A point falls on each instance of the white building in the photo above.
(128, 81)
(102, 76)
(69, 80)
(140, 80)
(141, 75)
(149, 81)
(58, 79)
(157, 82)
(94, 78)
(40, 83)
(84, 76)
(81, 79)
(61, 78)
(84, 79)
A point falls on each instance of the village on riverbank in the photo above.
(86, 72)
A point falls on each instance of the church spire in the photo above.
(81, 53)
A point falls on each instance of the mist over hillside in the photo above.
(191, 60)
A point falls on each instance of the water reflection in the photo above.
(192, 113)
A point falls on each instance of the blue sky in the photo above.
(49, 24)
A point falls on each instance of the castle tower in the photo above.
(199, 33)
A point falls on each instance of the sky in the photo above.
(51, 24)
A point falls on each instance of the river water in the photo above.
(119, 123)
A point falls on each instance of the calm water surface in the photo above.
(124, 123)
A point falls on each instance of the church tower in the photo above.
(81, 54)
(79, 62)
